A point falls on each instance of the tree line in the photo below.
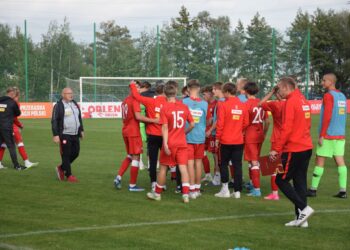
(189, 46)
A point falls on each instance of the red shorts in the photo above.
(252, 151)
(17, 134)
(178, 157)
(133, 145)
(195, 151)
(210, 144)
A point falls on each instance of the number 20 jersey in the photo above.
(176, 115)
(257, 116)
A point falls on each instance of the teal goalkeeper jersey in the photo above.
(198, 109)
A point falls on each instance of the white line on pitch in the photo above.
(157, 223)
(13, 247)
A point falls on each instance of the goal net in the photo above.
(100, 97)
(111, 89)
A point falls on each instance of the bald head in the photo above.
(329, 80)
(67, 94)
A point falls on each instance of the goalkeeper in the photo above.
(331, 142)
(145, 90)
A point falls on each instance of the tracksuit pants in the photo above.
(70, 148)
(154, 144)
(6, 135)
(234, 154)
(295, 165)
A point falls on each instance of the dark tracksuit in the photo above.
(8, 111)
(296, 143)
(68, 133)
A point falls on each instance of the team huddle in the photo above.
(231, 123)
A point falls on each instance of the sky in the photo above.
(144, 15)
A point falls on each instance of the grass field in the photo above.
(39, 212)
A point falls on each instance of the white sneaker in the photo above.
(2, 166)
(216, 180)
(193, 195)
(224, 193)
(236, 195)
(304, 215)
(293, 224)
(185, 198)
(154, 196)
(207, 178)
(29, 164)
(198, 194)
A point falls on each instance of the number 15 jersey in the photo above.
(257, 116)
(175, 115)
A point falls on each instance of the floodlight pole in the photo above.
(217, 56)
(95, 61)
(307, 64)
(26, 60)
(273, 56)
(158, 52)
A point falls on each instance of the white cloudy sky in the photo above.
(139, 15)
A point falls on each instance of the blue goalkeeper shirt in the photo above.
(198, 109)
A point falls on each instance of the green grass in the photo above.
(34, 200)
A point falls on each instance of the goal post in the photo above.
(100, 89)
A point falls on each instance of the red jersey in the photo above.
(232, 121)
(275, 107)
(16, 122)
(255, 130)
(296, 124)
(210, 113)
(176, 115)
(131, 126)
(153, 108)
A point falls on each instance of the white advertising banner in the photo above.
(101, 110)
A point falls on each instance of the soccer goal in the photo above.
(111, 89)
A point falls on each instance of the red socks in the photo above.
(255, 173)
(274, 186)
(2, 151)
(185, 188)
(23, 153)
(159, 189)
(125, 164)
(206, 164)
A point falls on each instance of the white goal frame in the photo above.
(124, 78)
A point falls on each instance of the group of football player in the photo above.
(230, 122)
